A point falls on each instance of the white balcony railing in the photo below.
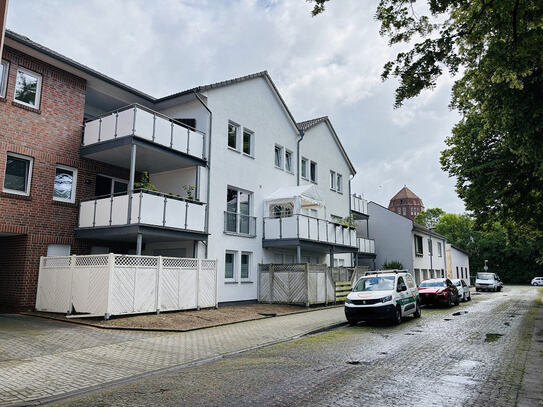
(365, 245)
(309, 228)
(139, 121)
(150, 208)
(359, 204)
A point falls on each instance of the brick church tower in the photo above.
(406, 203)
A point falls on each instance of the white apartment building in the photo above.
(457, 263)
(237, 179)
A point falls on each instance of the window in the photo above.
(339, 183)
(27, 88)
(4, 70)
(108, 185)
(288, 161)
(281, 211)
(65, 184)
(58, 250)
(18, 174)
(403, 210)
(229, 263)
(313, 172)
(238, 209)
(233, 130)
(332, 180)
(247, 142)
(278, 157)
(304, 168)
(430, 249)
(401, 285)
(418, 245)
(245, 265)
(439, 249)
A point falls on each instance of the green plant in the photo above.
(145, 183)
(189, 190)
(392, 265)
(348, 221)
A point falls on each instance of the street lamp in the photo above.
(486, 267)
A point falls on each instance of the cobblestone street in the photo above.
(471, 355)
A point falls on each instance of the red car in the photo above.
(438, 291)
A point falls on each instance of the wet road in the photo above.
(470, 355)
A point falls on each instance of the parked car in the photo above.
(438, 291)
(463, 289)
(388, 295)
(537, 281)
(488, 282)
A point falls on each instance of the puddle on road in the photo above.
(492, 337)
(506, 323)
(458, 379)
(455, 314)
(447, 319)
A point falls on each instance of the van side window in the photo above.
(401, 283)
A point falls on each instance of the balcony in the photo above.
(239, 224)
(157, 213)
(359, 206)
(366, 246)
(108, 139)
(298, 229)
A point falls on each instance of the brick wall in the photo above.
(50, 135)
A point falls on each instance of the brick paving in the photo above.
(40, 358)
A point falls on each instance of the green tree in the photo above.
(430, 217)
(494, 49)
(392, 265)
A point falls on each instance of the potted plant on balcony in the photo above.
(189, 190)
(145, 183)
(348, 222)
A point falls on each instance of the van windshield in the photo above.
(485, 276)
(375, 284)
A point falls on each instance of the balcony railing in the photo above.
(359, 204)
(365, 245)
(240, 224)
(148, 207)
(136, 120)
(309, 228)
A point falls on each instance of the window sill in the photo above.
(64, 203)
(248, 155)
(230, 282)
(246, 282)
(419, 254)
(239, 234)
(278, 168)
(3, 99)
(234, 150)
(25, 107)
(11, 195)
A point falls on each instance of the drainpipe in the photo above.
(301, 134)
(208, 164)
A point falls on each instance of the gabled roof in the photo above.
(308, 124)
(405, 193)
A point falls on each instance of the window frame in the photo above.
(332, 180)
(280, 149)
(233, 253)
(4, 78)
(238, 213)
(313, 164)
(289, 154)
(74, 183)
(439, 252)
(249, 263)
(430, 247)
(112, 187)
(339, 183)
(418, 239)
(303, 168)
(251, 142)
(39, 77)
(26, 192)
(237, 127)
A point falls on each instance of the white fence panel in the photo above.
(118, 284)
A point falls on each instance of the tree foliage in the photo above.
(430, 217)
(493, 47)
(392, 265)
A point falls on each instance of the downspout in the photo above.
(301, 134)
(208, 165)
(353, 255)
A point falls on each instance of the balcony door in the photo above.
(108, 185)
(238, 207)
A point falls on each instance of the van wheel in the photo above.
(397, 316)
(417, 312)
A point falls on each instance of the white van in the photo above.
(488, 282)
(383, 295)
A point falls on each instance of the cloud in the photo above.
(325, 65)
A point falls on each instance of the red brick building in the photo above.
(406, 203)
(44, 98)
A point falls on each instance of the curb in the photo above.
(199, 362)
(166, 330)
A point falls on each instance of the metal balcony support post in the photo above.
(171, 134)
(110, 209)
(154, 126)
(116, 121)
(134, 122)
(318, 230)
(186, 214)
(99, 130)
(94, 215)
(281, 228)
(308, 228)
(332, 260)
(138, 244)
(188, 141)
(298, 254)
(297, 226)
(131, 181)
(164, 212)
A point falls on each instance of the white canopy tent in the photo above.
(300, 197)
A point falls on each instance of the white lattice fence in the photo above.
(119, 284)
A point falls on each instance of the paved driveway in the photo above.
(41, 358)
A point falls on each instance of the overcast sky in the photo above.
(327, 65)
